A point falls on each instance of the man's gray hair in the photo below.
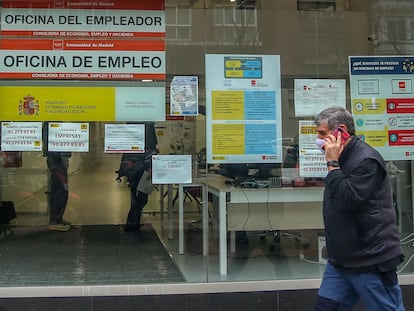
(334, 117)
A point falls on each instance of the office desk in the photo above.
(196, 183)
(288, 216)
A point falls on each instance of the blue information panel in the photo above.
(243, 67)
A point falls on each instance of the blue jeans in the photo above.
(341, 288)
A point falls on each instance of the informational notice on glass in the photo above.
(144, 102)
(312, 162)
(171, 169)
(383, 103)
(243, 109)
(124, 138)
(184, 96)
(68, 137)
(21, 136)
(314, 95)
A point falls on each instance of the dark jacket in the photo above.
(133, 164)
(133, 170)
(360, 218)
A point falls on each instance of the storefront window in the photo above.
(274, 234)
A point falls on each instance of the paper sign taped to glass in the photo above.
(145, 184)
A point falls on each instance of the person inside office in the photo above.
(360, 220)
(134, 166)
(58, 194)
(58, 163)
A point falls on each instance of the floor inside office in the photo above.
(98, 201)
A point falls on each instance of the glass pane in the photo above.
(170, 16)
(250, 18)
(171, 33)
(240, 16)
(230, 34)
(229, 18)
(184, 33)
(260, 238)
(220, 34)
(411, 30)
(183, 17)
(219, 16)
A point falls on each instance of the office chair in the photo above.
(290, 161)
(191, 193)
(277, 235)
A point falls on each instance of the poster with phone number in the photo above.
(68, 137)
(21, 136)
(383, 103)
(312, 162)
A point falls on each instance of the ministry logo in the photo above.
(29, 106)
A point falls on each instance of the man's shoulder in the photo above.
(366, 151)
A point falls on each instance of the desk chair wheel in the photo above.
(277, 236)
(241, 237)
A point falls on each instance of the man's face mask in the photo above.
(321, 144)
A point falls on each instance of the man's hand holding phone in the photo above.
(334, 144)
(344, 135)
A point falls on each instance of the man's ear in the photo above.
(343, 127)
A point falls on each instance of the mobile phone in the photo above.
(344, 134)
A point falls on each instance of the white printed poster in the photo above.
(314, 95)
(124, 138)
(144, 103)
(21, 136)
(68, 137)
(171, 169)
(312, 162)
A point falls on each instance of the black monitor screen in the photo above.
(238, 171)
(243, 171)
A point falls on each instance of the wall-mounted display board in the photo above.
(383, 103)
(60, 103)
(243, 109)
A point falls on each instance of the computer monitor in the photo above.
(236, 171)
(244, 171)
